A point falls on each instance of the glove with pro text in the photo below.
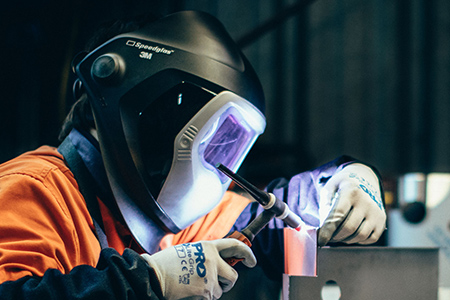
(351, 208)
(198, 270)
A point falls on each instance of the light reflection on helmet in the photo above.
(170, 101)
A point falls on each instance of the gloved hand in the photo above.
(197, 270)
(351, 208)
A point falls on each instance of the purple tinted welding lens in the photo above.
(229, 143)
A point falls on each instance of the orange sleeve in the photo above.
(215, 225)
(43, 224)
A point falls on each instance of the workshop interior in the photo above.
(369, 79)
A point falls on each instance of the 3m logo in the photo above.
(145, 55)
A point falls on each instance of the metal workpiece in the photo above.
(369, 273)
(300, 251)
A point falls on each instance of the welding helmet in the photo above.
(170, 101)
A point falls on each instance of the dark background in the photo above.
(364, 78)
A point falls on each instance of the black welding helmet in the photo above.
(170, 101)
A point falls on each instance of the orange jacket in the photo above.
(44, 221)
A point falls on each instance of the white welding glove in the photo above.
(351, 208)
(197, 270)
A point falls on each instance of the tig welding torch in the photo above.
(273, 207)
(268, 200)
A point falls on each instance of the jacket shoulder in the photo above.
(36, 163)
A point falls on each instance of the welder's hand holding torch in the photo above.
(198, 270)
(351, 208)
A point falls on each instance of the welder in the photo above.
(131, 205)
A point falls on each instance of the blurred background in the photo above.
(370, 79)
